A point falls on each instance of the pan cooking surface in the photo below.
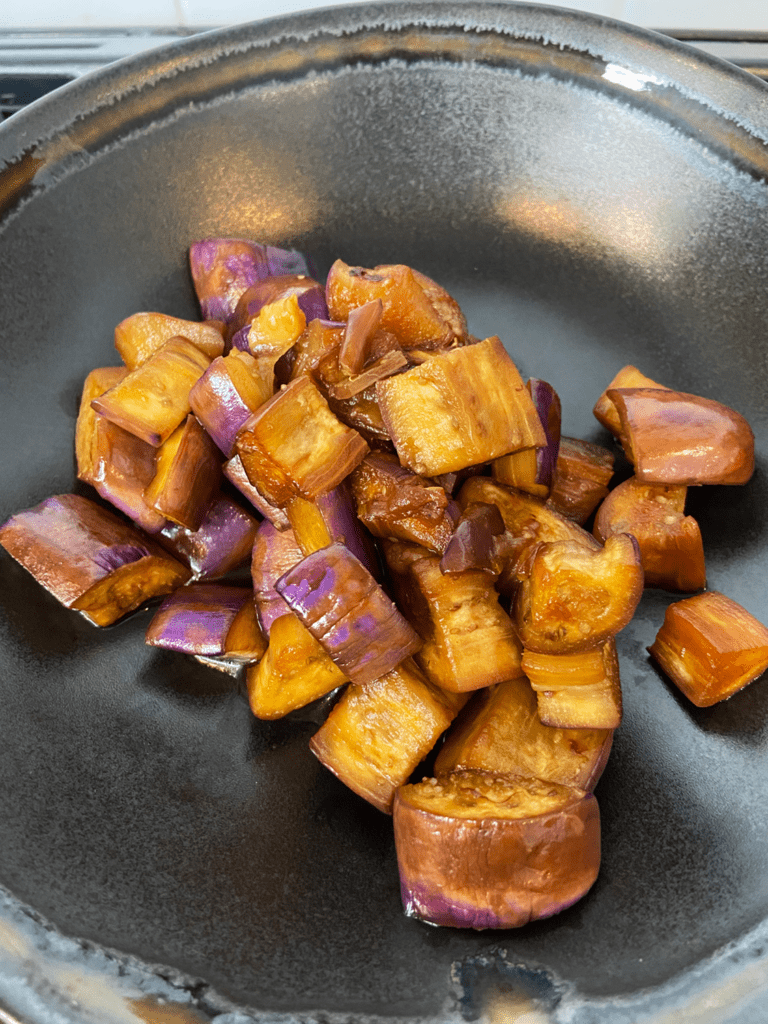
(589, 217)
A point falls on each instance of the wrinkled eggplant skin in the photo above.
(274, 553)
(222, 269)
(223, 541)
(196, 619)
(344, 608)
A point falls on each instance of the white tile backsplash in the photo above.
(737, 15)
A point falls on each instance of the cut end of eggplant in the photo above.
(482, 851)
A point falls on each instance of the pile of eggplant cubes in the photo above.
(415, 527)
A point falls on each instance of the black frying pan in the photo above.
(594, 194)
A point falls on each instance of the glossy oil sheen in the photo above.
(593, 194)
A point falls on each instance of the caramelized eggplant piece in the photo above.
(275, 329)
(197, 619)
(676, 438)
(294, 671)
(116, 464)
(362, 324)
(574, 598)
(394, 502)
(187, 476)
(582, 475)
(528, 521)
(628, 377)
(153, 400)
(308, 525)
(478, 542)
(499, 731)
(479, 851)
(459, 408)
(309, 294)
(376, 735)
(318, 339)
(234, 471)
(710, 647)
(88, 559)
(360, 410)
(139, 336)
(222, 269)
(228, 393)
(346, 610)
(294, 445)
(469, 640)
(577, 691)
(670, 543)
(222, 542)
(533, 469)
(415, 309)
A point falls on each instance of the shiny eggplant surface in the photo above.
(595, 195)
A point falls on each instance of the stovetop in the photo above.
(33, 63)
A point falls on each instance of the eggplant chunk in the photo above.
(228, 393)
(605, 411)
(710, 647)
(469, 640)
(394, 502)
(499, 731)
(574, 599)
(197, 619)
(223, 541)
(458, 408)
(89, 559)
(152, 400)
(414, 308)
(480, 851)
(582, 475)
(671, 548)
(378, 734)
(346, 610)
(118, 465)
(139, 336)
(187, 476)
(676, 438)
(294, 671)
(528, 520)
(222, 269)
(577, 691)
(294, 445)
(533, 469)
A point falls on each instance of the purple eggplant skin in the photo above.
(223, 541)
(234, 471)
(71, 545)
(274, 553)
(348, 613)
(196, 619)
(218, 405)
(340, 515)
(547, 403)
(476, 541)
(222, 269)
